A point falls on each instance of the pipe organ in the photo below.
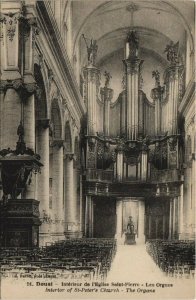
(140, 133)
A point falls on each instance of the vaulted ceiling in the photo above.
(157, 23)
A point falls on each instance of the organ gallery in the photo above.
(96, 122)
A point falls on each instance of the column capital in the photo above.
(57, 143)
(172, 73)
(132, 65)
(43, 123)
(15, 84)
(157, 93)
(106, 94)
(70, 156)
(92, 74)
(19, 84)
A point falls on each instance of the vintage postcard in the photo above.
(97, 149)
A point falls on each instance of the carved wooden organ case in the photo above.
(133, 139)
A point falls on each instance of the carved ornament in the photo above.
(57, 143)
(133, 41)
(172, 51)
(106, 94)
(132, 66)
(156, 76)
(43, 123)
(70, 156)
(26, 89)
(157, 93)
(107, 79)
(91, 50)
(172, 141)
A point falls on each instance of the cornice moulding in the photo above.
(54, 40)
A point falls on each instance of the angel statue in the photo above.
(172, 51)
(107, 79)
(91, 50)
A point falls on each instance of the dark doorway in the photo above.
(104, 217)
(157, 219)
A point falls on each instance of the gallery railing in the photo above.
(99, 175)
(164, 175)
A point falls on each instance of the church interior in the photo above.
(97, 128)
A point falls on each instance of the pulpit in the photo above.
(19, 217)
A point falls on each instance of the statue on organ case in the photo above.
(172, 51)
(91, 50)
(107, 79)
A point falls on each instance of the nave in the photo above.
(98, 264)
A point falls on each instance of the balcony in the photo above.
(156, 176)
(99, 175)
(162, 176)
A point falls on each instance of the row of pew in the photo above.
(174, 257)
(89, 259)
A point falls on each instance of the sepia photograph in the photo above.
(97, 149)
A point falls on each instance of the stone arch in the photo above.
(41, 107)
(68, 138)
(56, 120)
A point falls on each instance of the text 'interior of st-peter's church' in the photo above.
(97, 121)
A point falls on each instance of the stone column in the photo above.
(106, 95)
(91, 75)
(119, 221)
(71, 222)
(180, 215)
(82, 210)
(57, 188)
(42, 145)
(88, 199)
(170, 219)
(175, 213)
(141, 213)
(90, 217)
(12, 118)
(29, 137)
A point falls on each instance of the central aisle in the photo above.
(133, 262)
(134, 268)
